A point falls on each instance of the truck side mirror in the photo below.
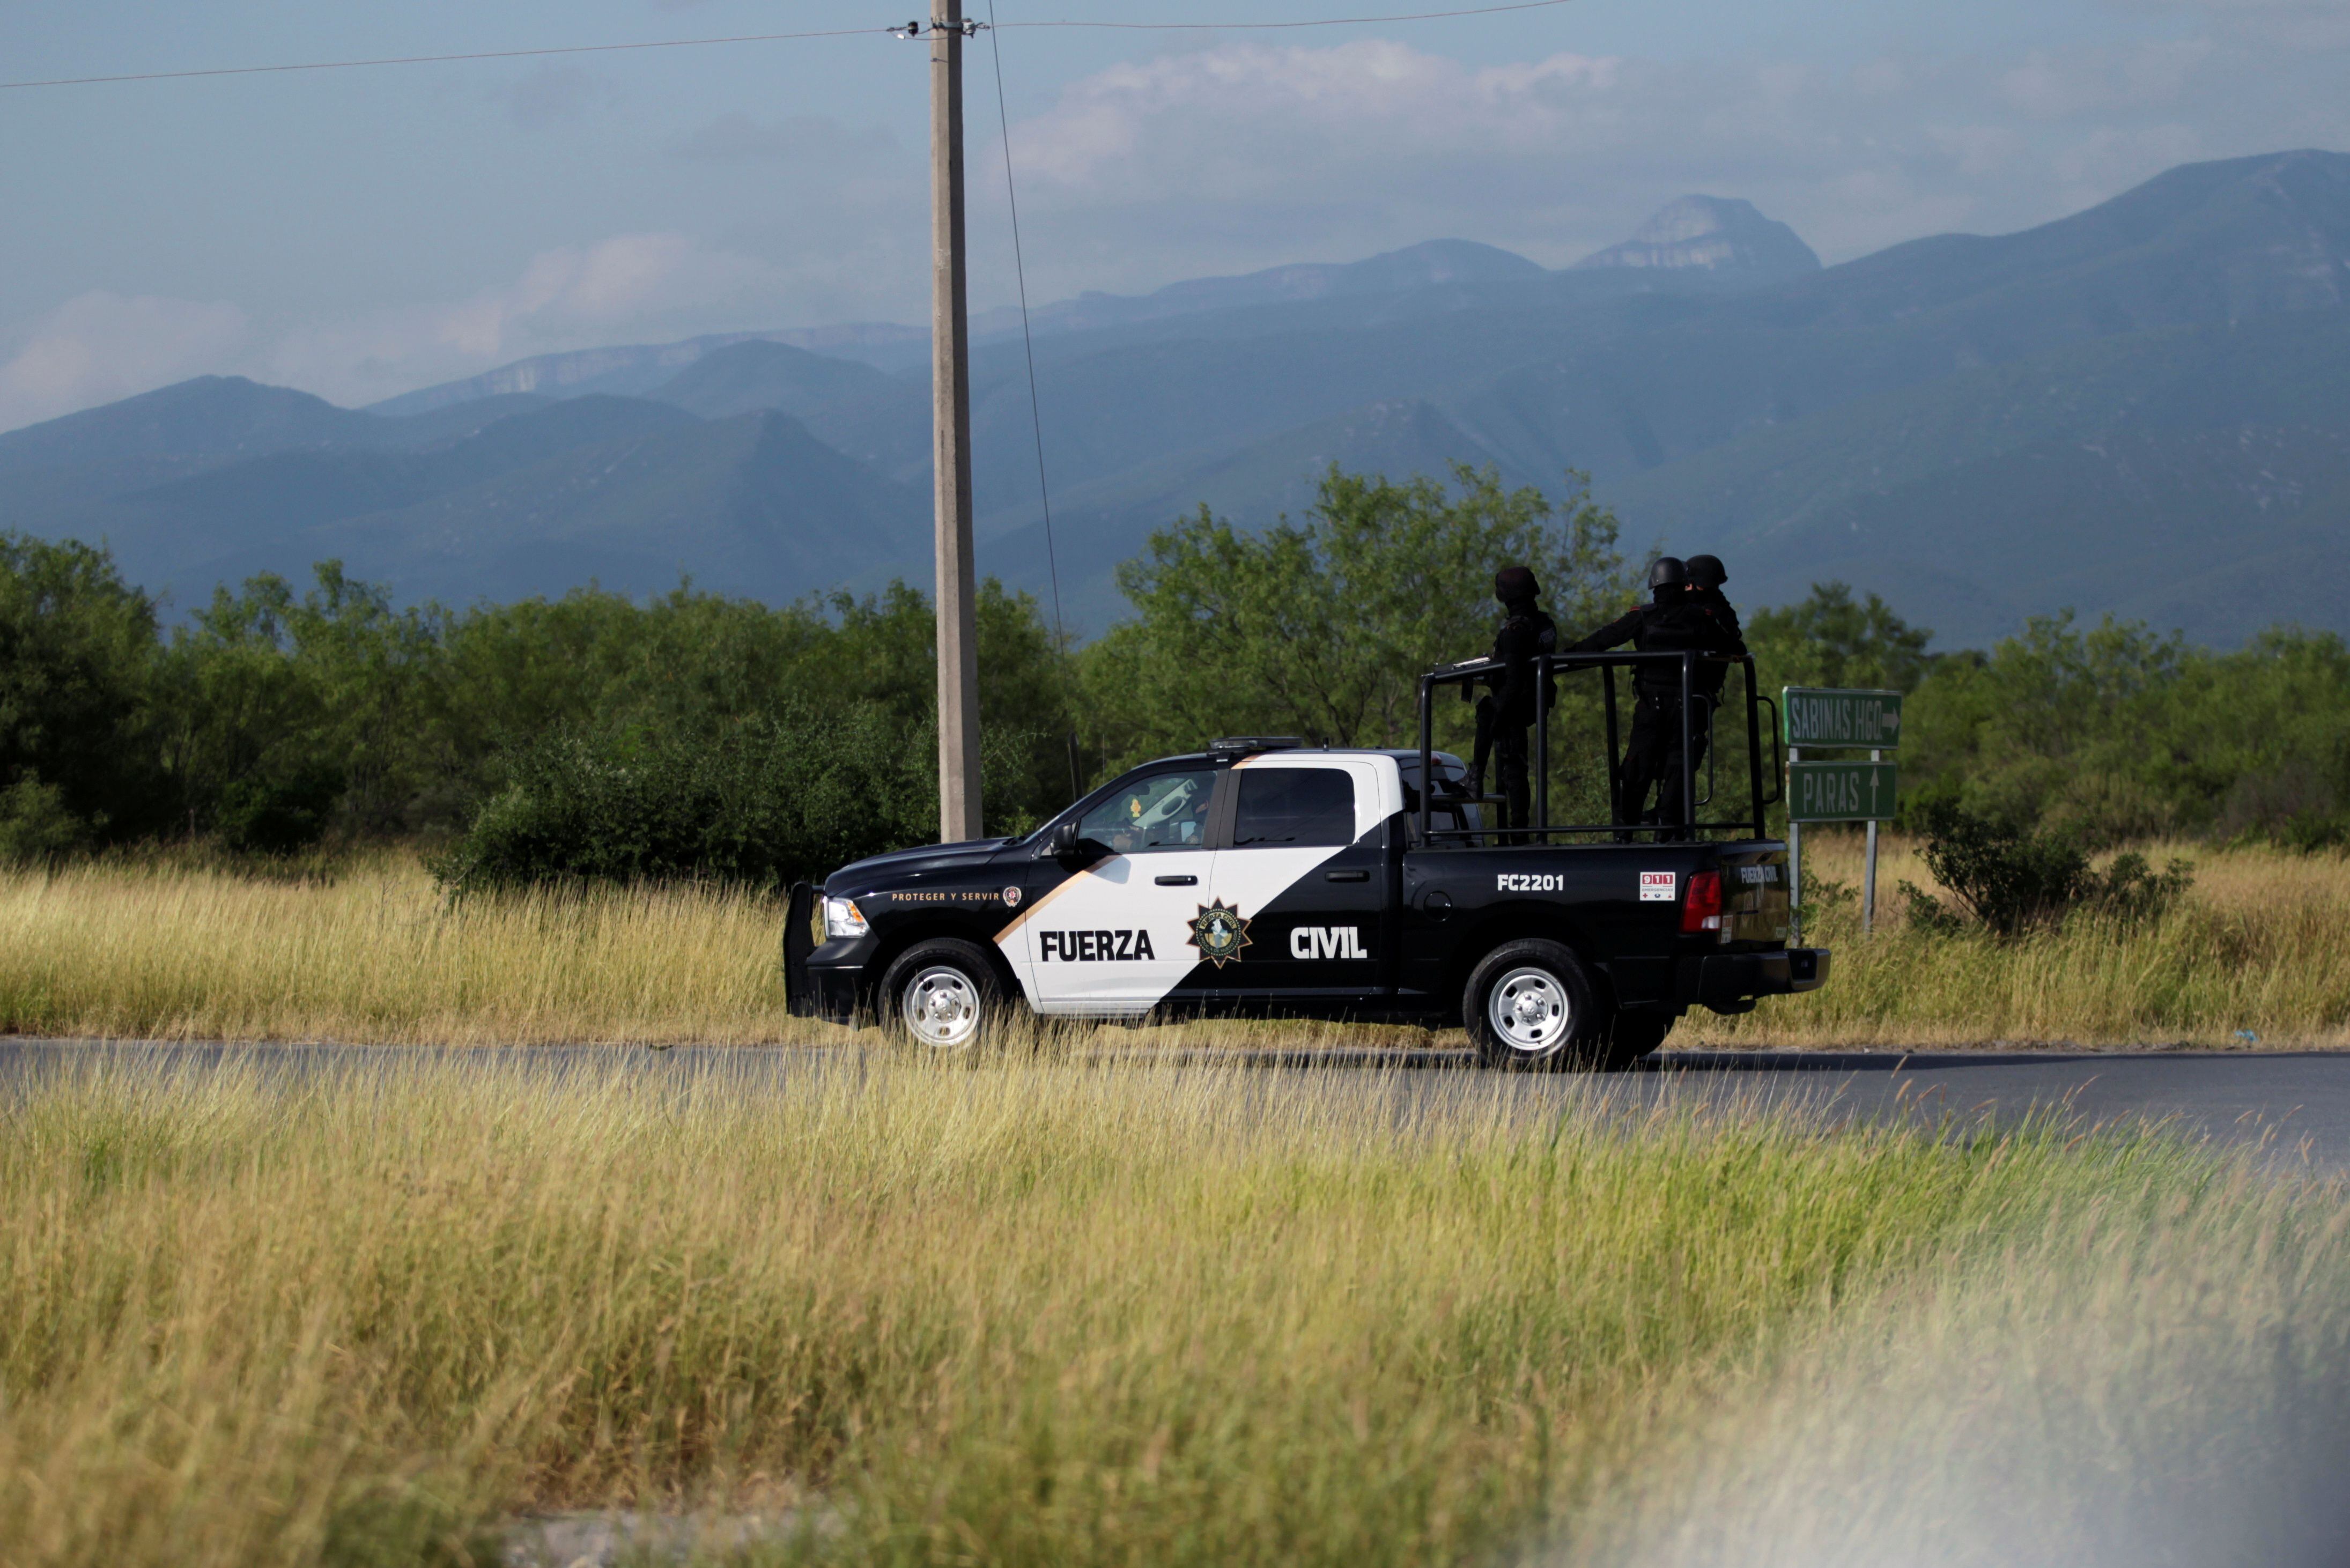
(1064, 845)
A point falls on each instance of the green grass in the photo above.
(1027, 1312)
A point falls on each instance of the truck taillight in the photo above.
(1701, 909)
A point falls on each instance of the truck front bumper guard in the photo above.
(1730, 983)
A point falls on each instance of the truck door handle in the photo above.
(1177, 881)
(1359, 874)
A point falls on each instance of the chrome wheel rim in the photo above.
(1528, 1010)
(941, 1007)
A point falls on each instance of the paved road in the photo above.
(2297, 1104)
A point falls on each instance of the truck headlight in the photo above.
(843, 918)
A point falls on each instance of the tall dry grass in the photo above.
(2255, 949)
(369, 952)
(924, 1312)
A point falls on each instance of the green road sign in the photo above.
(1839, 792)
(1820, 716)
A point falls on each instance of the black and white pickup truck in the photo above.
(1262, 877)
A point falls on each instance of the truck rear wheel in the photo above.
(942, 993)
(1529, 1005)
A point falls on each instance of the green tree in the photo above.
(1828, 639)
(292, 717)
(78, 757)
(2114, 733)
(1322, 627)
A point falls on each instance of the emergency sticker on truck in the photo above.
(1657, 887)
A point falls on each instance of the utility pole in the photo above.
(951, 439)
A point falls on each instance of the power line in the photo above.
(1312, 22)
(899, 30)
(1027, 337)
(443, 59)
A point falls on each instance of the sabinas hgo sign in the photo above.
(1822, 716)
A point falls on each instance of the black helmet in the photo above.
(1707, 571)
(1515, 584)
(1667, 572)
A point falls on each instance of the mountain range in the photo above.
(2140, 408)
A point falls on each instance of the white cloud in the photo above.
(2109, 157)
(1163, 168)
(1880, 78)
(2297, 24)
(1382, 143)
(1193, 119)
(555, 91)
(626, 286)
(2143, 76)
(98, 346)
(737, 138)
(101, 347)
(1980, 149)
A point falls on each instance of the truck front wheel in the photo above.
(1530, 1005)
(942, 993)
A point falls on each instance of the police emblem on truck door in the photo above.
(1220, 933)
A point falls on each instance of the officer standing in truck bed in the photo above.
(1706, 574)
(1672, 621)
(1505, 715)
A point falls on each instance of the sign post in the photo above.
(1839, 789)
(1869, 880)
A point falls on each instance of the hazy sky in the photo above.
(361, 232)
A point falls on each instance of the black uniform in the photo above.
(1725, 627)
(1504, 714)
(1672, 623)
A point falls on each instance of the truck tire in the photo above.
(942, 993)
(1528, 1006)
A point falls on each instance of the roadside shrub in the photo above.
(2008, 878)
(35, 825)
(2013, 880)
(1824, 897)
(2132, 890)
(2299, 807)
(759, 804)
(1925, 914)
(278, 815)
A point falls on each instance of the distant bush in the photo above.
(2014, 879)
(277, 816)
(760, 805)
(1927, 914)
(35, 825)
(2299, 807)
(2130, 889)
(1825, 896)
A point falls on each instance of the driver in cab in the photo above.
(1164, 813)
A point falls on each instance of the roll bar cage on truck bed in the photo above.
(1693, 702)
(1261, 876)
